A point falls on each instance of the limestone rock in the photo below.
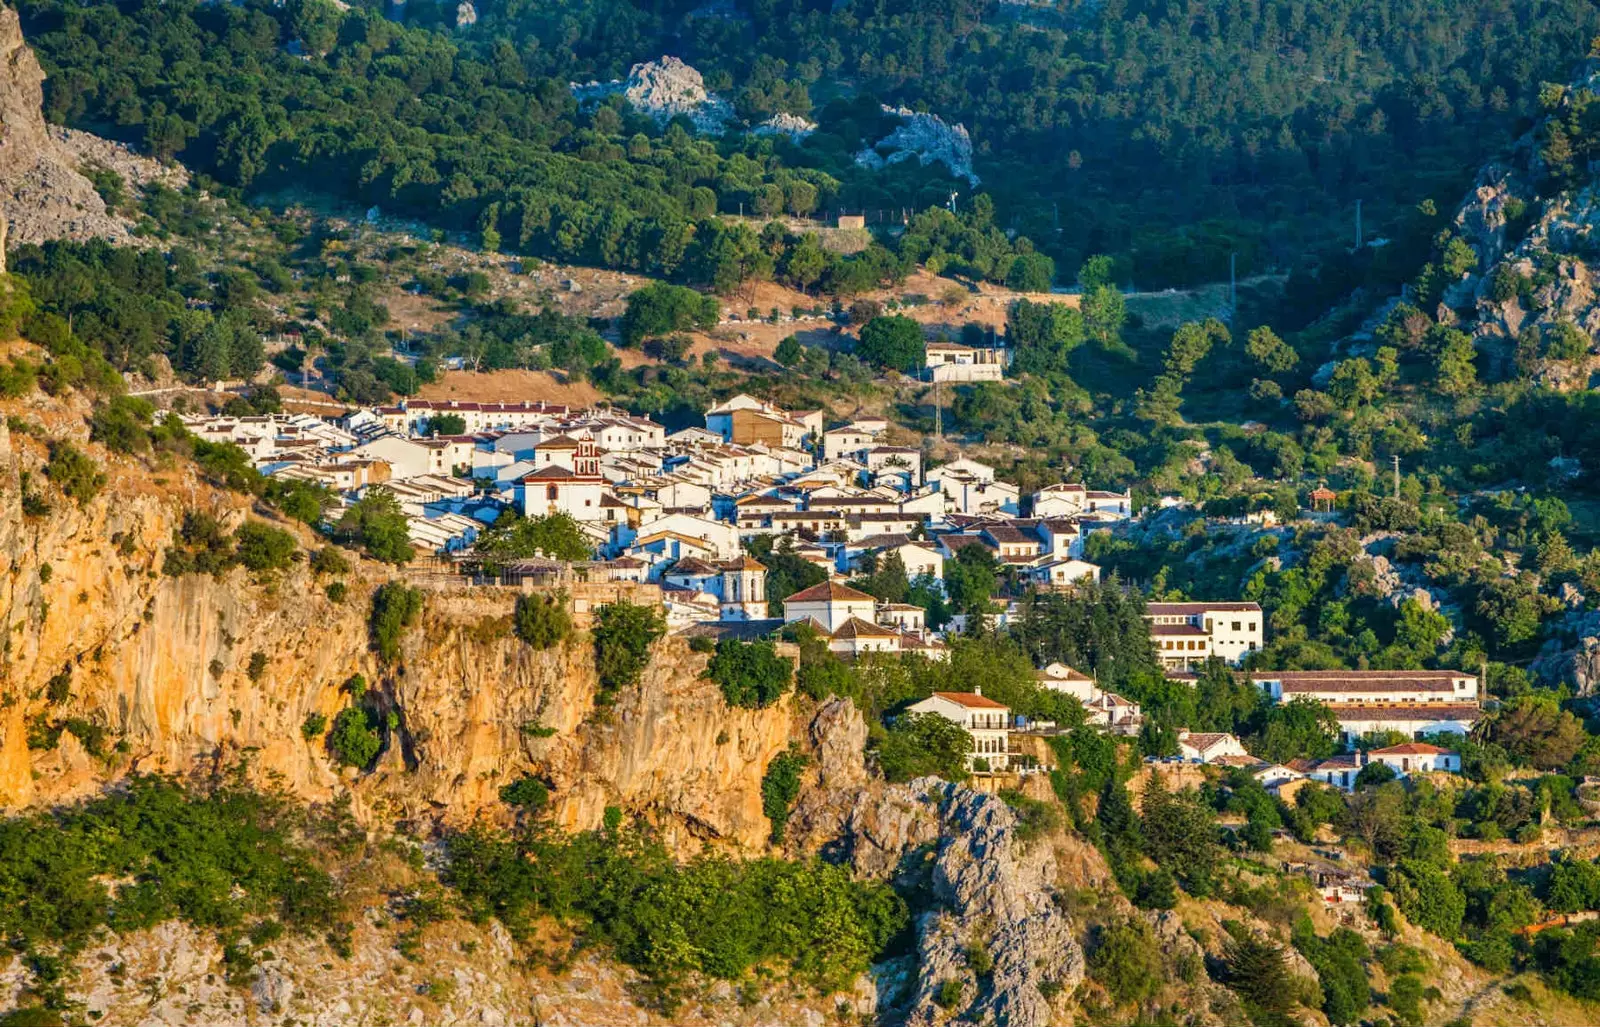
(42, 194)
(664, 90)
(928, 138)
(784, 123)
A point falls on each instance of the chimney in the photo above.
(977, 689)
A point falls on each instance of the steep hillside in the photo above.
(43, 195)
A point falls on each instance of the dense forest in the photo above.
(1254, 128)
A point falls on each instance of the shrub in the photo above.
(669, 920)
(73, 473)
(312, 727)
(395, 607)
(623, 635)
(542, 621)
(526, 792)
(336, 591)
(257, 667)
(751, 674)
(376, 522)
(1127, 960)
(355, 740)
(261, 547)
(329, 560)
(780, 787)
(123, 424)
(949, 994)
(1035, 817)
(62, 883)
(198, 547)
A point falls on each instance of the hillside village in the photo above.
(680, 513)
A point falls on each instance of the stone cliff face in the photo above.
(161, 663)
(992, 890)
(42, 193)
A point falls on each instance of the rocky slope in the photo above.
(43, 195)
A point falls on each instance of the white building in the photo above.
(987, 721)
(1072, 500)
(1411, 702)
(578, 491)
(829, 604)
(1188, 633)
(839, 442)
(1061, 573)
(1208, 746)
(956, 362)
(1417, 758)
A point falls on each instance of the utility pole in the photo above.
(938, 414)
(1233, 287)
(1396, 477)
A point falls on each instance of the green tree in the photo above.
(542, 620)
(893, 342)
(1273, 354)
(511, 537)
(623, 634)
(788, 352)
(780, 787)
(1180, 834)
(395, 607)
(1127, 960)
(261, 547)
(1259, 972)
(376, 523)
(751, 674)
(922, 744)
(660, 309)
(1031, 272)
(355, 739)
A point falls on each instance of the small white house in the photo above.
(1208, 746)
(830, 604)
(1417, 758)
(987, 721)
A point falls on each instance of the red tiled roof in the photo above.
(1411, 749)
(830, 591)
(971, 700)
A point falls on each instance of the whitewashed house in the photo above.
(987, 721)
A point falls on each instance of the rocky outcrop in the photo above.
(925, 137)
(663, 90)
(785, 124)
(42, 193)
(992, 892)
(462, 974)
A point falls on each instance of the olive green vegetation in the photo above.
(1156, 134)
(230, 860)
(542, 620)
(711, 915)
(249, 866)
(751, 674)
(780, 787)
(395, 607)
(623, 634)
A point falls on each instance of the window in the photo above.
(1236, 625)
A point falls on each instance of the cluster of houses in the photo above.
(678, 509)
(1413, 704)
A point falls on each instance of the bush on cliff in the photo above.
(711, 915)
(623, 635)
(751, 674)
